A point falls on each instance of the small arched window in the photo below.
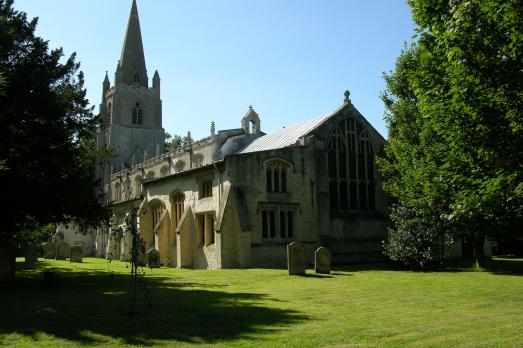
(137, 114)
(136, 77)
(197, 160)
(351, 168)
(117, 192)
(127, 189)
(179, 166)
(138, 185)
(109, 113)
(164, 171)
(276, 174)
(150, 175)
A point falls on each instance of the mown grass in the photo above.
(357, 306)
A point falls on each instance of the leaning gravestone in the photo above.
(62, 251)
(153, 258)
(322, 260)
(295, 259)
(76, 253)
(49, 250)
(31, 254)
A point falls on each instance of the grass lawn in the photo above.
(356, 306)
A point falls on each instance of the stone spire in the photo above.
(132, 70)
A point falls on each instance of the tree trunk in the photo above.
(7, 261)
(477, 248)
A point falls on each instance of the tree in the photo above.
(466, 86)
(48, 175)
(175, 142)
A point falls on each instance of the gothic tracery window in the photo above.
(137, 114)
(351, 168)
(276, 173)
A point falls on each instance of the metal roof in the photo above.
(286, 136)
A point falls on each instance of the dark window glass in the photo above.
(363, 195)
(276, 180)
(333, 194)
(269, 179)
(283, 180)
(353, 195)
(272, 224)
(283, 232)
(332, 164)
(264, 225)
(290, 225)
(344, 198)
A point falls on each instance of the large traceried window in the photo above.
(352, 184)
(137, 114)
(276, 173)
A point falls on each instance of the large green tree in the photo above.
(48, 171)
(455, 117)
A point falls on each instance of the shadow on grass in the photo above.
(501, 266)
(81, 306)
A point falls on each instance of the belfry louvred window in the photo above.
(351, 170)
(137, 114)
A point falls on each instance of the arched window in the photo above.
(127, 189)
(136, 77)
(179, 166)
(197, 160)
(164, 171)
(351, 168)
(150, 175)
(109, 114)
(138, 185)
(137, 114)
(117, 192)
(157, 209)
(276, 173)
(177, 200)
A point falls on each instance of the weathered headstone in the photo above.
(62, 251)
(76, 253)
(153, 258)
(322, 260)
(295, 259)
(49, 250)
(31, 254)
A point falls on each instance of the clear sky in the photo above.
(291, 59)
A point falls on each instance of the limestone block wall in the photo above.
(248, 177)
(202, 255)
(73, 235)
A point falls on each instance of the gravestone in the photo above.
(295, 259)
(49, 250)
(322, 260)
(76, 253)
(62, 251)
(153, 258)
(31, 254)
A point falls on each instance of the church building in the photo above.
(238, 197)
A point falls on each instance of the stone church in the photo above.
(238, 197)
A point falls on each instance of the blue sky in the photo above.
(291, 59)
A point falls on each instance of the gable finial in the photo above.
(346, 100)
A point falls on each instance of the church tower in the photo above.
(130, 111)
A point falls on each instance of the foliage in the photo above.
(458, 116)
(46, 120)
(173, 143)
